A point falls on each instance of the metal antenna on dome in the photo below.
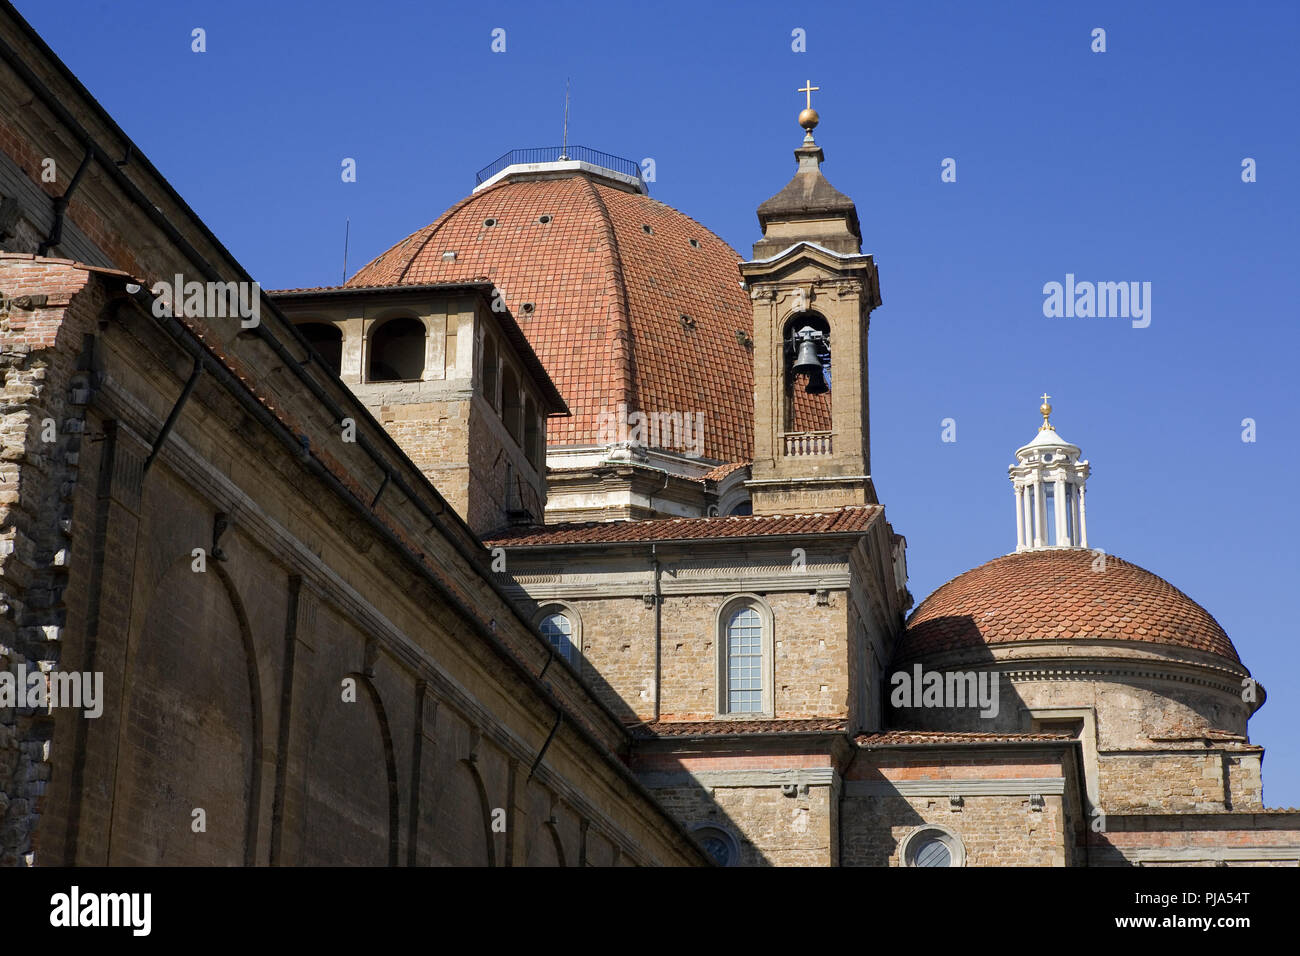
(564, 145)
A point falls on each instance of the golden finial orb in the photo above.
(1046, 411)
(808, 119)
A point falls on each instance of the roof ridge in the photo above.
(622, 350)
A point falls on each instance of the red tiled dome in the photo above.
(607, 299)
(1054, 596)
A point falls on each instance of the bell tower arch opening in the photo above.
(806, 374)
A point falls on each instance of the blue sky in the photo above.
(1115, 166)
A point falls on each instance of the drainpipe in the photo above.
(654, 563)
(61, 207)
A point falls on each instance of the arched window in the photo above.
(561, 626)
(742, 508)
(327, 340)
(745, 674)
(397, 351)
(511, 403)
(744, 662)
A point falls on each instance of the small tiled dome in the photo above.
(1058, 595)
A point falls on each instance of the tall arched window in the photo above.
(745, 676)
(744, 662)
(561, 626)
(397, 351)
(327, 340)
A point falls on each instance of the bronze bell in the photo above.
(807, 362)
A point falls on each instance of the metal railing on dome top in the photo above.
(553, 154)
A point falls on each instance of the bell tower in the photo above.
(812, 291)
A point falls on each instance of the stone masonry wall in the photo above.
(41, 424)
(996, 830)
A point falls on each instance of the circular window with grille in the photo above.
(932, 846)
(719, 844)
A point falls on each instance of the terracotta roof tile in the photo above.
(608, 300)
(897, 738)
(722, 471)
(1056, 595)
(723, 728)
(849, 520)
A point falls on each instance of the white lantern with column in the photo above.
(1048, 478)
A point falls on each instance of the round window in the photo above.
(719, 844)
(933, 853)
(933, 846)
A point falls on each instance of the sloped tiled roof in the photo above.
(846, 520)
(1057, 595)
(722, 471)
(901, 738)
(607, 300)
(724, 728)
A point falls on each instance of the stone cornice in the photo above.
(974, 787)
(756, 777)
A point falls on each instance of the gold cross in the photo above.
(1045, 397)
(810, 90)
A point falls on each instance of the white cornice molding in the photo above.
(758, 777)
(974, 787)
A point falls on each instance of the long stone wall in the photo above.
(280, 685)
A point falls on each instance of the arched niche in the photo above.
(191, 731)
(396, 351)
(352, 807)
